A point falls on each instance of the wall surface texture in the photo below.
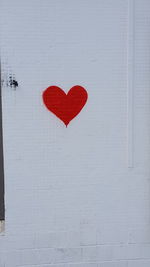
(76, 196)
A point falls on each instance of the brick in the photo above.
(83, 265)
(139, 263)
(68, 255)
(20, 242)
(113, 264)
(131, 251)
(111, 234)
(88, 237)
(71, 200)
(140, 234)
(97, 253)
(29, 257)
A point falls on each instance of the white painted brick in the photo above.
(59, 265)
(111, 234)
(47, 265)
(131, 251)
(83, 265)
(71, 200)
(66, 265)
(30, 257)
(97, 253)
(45, 240)
(113, 264)
(43, 256)
(140, 234)
(105, 253)
(88, 237)
(89, 254)
(2, 259)
(68, 239)
(3, 243)
(20, 242)
(68, 255)
(139, 263)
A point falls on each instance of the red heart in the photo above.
(65, 106)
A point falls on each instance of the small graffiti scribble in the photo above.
(12, 82)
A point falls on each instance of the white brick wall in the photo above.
(71, 200)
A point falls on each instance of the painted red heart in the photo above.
(65, 106)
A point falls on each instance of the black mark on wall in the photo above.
(11, 82)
